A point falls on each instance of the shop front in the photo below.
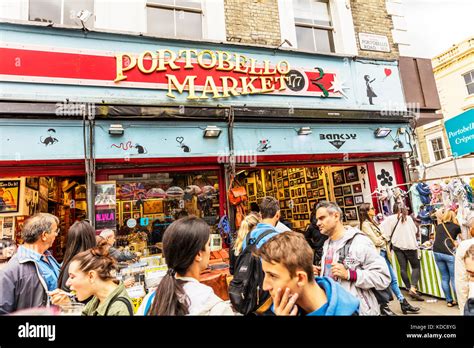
(150, 130)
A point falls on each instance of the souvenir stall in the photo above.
(428, 201)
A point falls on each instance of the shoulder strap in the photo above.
(121, 299)
(262, 235)
(393, 231)
(346, 247)
(446, 230)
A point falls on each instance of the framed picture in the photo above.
(300, 191)
(314, 184)
(322, 192)
(286, 193)
(310, 194)
(10, 196)
(306, 217)
(357, 188)
(308, 186)
(346, 190)
(33, 183)
(285, 173)
(351, 174)
(252, 198)
(338, 191)
(338, 177)
(280, 184)
(348, 201)
(305, 208)
(292, 192)
(251, 189)
(312, 204)
(289, 214)
(268, 180)
(311, 173)
(359, 199)
(279, 174)
(286, 183)
(42, 205)
(340, 201)
(153, 206)
(305, 199)
(43, 188)
(351, 214)
(320, 183)
(292, 183)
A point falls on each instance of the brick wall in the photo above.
(370, 16)
(252, 21)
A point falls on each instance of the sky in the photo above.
(435, 25)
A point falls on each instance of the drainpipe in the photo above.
(89, 134)
(230, 168)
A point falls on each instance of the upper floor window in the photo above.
(175, 18)
(469, 79)
(438, 149)
(64, 12)
(314, 27)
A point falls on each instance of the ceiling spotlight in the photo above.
(212, 132)
(382, 132)
(116, 129)
(304, 131)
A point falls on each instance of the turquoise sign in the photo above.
(460, 131)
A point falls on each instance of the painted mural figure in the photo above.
(370, 92)
(50, 140)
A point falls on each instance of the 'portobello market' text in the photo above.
(216, 74)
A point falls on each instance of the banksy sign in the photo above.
(337, 139)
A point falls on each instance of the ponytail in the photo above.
(170, 298)
(247, 225)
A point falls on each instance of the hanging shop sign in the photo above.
(460, 131)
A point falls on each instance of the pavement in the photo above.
(437, 308)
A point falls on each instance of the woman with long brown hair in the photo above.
(369, 227)
(401, 230)
(187, 251)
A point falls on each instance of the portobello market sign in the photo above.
(205, 74)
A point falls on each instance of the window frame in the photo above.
(468, 84)
(429, 139)
(329, 28)
(62, 15)
(174, 8)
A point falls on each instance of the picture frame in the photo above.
(310, 194)
(359, 199)
(251, 189)
(306, 217)
(280, 184)
(32, 183)
(338, 177)
(153, 206)
(300, 191)
(340, 201)
(320, 183)
(289, 214)
(286, 193)
(322, 192)
(338, 191)
(292, 183)
(348, 201)
(351, 214)
(351, 174)
(357, 188)
(10, 194)
(311, 173)
(286, 183)
(308, 186)
(285, 173)
(279, 174)
(268, 181)
(292, 192)
(314, 184)
(347, 190)
(305, 208)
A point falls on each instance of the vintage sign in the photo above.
(372, 42)
(105, 205)
(9, 196)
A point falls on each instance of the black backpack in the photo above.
(245, 289)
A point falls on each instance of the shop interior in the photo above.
(298, 189)
(64, 197)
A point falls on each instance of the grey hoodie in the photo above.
(371, 269)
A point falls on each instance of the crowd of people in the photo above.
(330, 269)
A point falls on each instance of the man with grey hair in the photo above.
(359, 268)
(461, 274)
(32, 271)
(120, 255)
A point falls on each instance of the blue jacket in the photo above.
(340, 301)
(258, 230)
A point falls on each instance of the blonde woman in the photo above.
(248, 225)
(443, 250)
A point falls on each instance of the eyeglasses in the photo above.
(57, 231)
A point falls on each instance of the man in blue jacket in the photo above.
(287, 260)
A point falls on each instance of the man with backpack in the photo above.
(350, 258)
(287, 261)
(245, 289)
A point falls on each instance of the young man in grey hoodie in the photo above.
(363, 269)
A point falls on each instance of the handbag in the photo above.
(238, 194)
